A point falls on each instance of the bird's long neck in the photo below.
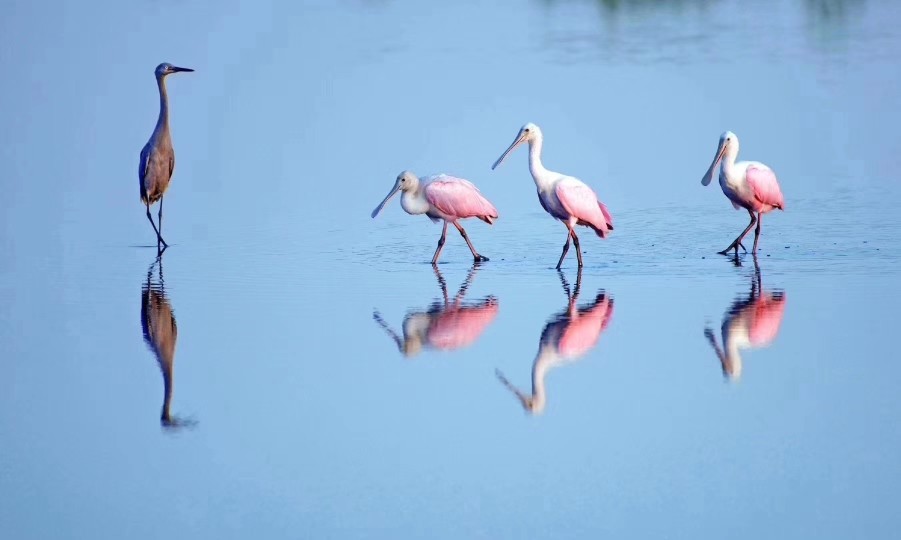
(729, 163)
(162, 123)
(539, 173)
(414, 202)
(542, 364)
(732, 357)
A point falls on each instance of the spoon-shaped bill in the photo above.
(519, 138)
(708, 176)
(386, 199)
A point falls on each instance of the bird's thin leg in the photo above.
(160, 220)
(578, 283)
(152, 224)
(757, 232)
(475, 255)
(564, 282)
(466, 283)
(738, 240)
(441, 283)
(565, 250)
(572, 310)
(440, 244)
(756, 285)
(576, 245)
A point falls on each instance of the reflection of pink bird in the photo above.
(564, 197)
(748, 184)
(452, 325)
(442, 197)
(566, 337)
(751, 322)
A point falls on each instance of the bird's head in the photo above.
(167, 69)
(405, 181)
(728, 146)
(528, 133)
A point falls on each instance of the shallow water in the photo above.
(323, 386)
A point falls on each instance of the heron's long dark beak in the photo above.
(520, 137)
(176, 69)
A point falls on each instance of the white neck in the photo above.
(414, 202)
(733, 357)
(539, 173)
(547, 358)
(729, 162)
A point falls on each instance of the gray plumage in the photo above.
(160, 335)
(158, 157)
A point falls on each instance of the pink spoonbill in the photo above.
(442, 197)
(566, 337)
(446, 326)
(564, 197)
(748, 184)
(751, 322)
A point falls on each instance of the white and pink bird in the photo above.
(563, 197)
(748, 184)
(751, 323)
(442, 197)
(566, 337)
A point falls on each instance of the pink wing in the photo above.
(583, 333)
(763, 183)
(766, 319)
(607, 215)
(581, 202)
(459, 198)
(461, 327)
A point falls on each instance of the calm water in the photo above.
(328, 383)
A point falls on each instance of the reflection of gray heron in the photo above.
(566, 337)
(450, 325)
(160, 334)
(158, 156)
(751, 322)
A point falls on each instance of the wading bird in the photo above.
(748, 184)
(751, 322)
(442, 197)
(447, 325)
(157, 156)
(564, 197)
(160, 335)
(566, 338)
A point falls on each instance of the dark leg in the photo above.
(576, 245)
(738, 240)
(440, 244)
(565, 250)
(152, 224)
(564, 282)
(578, 283)
(159, 217)
(475, 255)
(757, 233)
(441, 283)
